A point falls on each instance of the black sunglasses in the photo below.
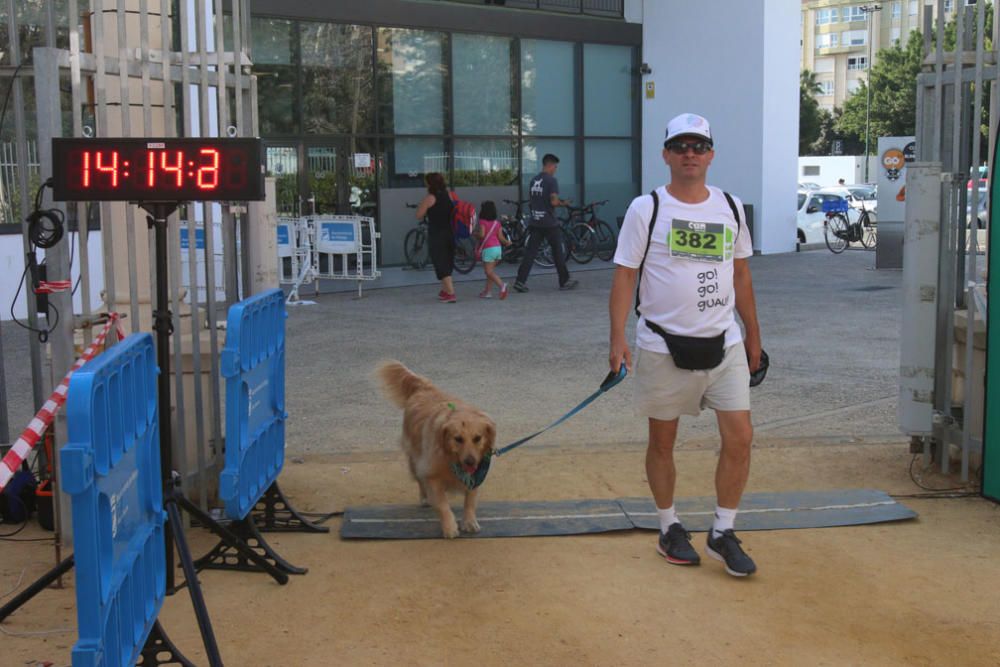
(681, 147)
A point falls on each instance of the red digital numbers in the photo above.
(158, 169)
(208, 174)
(104, 162)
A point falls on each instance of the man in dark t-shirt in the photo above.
(543, 193)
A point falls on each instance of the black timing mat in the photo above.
(758, 511)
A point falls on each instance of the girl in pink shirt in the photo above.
(490, 235)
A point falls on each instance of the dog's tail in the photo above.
(399, 382)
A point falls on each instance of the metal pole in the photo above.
(868, 10)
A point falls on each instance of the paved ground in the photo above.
(914, 593)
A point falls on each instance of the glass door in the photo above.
(340, 177)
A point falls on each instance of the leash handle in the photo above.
(612, 379)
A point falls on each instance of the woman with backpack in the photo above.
(437, 207)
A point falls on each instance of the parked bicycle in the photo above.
(417, 254)
(515, 227)
(839, 232)
(578, 238)
(604, 241)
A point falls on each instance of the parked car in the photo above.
(810, 215)
(809, 186)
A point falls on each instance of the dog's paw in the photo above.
(424, 502)
(470, 525)
(449, 529)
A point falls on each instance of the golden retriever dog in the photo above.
(439, 430)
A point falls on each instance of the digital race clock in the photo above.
(163, 170)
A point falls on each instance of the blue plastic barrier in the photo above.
(253, 363)
(111, 470)
(835, 205)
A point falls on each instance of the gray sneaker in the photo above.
(726, 547)
(569, 284)
(675, 546)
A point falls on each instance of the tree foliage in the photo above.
(893, 96)
(809, 112)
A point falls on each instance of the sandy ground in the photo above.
(921, 592)
(870, 595)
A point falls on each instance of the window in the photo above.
(826, 16)
(608, 90)
(333, 54)
(860, 62)
(548, 87)
(824, 65)
(894, 35)
(810, 170)
(608, 171)
(827, 41)
(854, 37)
(949, 5)
(897, 10)
(854, 13)
(913, 8)
(826, 87)
(481, 84)
(277, 84)
(412, 80)
(853, 85)
(484, 162)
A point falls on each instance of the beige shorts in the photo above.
(663, 391)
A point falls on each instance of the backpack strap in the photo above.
(649, 239)
(736, 213)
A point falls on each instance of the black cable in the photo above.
(323, 516)
(20, 528)
(43, 334)
(913, 478)
(10, 89)
(931, 496)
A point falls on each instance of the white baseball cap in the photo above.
(688, 124)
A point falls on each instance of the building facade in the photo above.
(840, 38)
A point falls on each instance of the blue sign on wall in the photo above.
(111, 470)
(253, 363)
(199, 239)
(283, 235)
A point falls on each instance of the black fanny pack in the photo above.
(690, 353)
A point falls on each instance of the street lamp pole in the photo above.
(868, 10)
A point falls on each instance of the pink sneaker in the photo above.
(442, 295)
(503, 292)
(485, 294)
(448, 298)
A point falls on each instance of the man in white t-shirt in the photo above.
(692, 270)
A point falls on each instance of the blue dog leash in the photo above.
(473, 480)
(610, 381)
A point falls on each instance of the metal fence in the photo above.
(146, 69)
(607, 8)
(10, 193)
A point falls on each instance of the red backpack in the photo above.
(463, 217)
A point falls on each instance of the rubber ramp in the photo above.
(758, 511)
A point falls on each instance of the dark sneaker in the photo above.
(569, 284)
(520, 287)
(727, 548)
(675, 546)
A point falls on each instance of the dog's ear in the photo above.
(444, 436)
(491, 436)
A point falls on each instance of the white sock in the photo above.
(724, 519)
(668, 517)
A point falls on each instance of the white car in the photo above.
(811, 216)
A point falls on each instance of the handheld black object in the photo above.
(758, 375)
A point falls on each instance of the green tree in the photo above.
(810, 115)
(893, 95)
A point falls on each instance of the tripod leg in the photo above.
(275, 514)
(231, 540)
(159, 650)
(194, 588)
(34, 589)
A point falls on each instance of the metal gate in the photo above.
(944, 255)
(112, 68)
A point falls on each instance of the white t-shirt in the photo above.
(687, 281)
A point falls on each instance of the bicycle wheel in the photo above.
(415, 248)
(465, 255)
(867, 233)
(543, 257)
(605, 242)
(580, 241)
(835, 232)
(515, 234)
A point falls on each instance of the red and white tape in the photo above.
(33, 433)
